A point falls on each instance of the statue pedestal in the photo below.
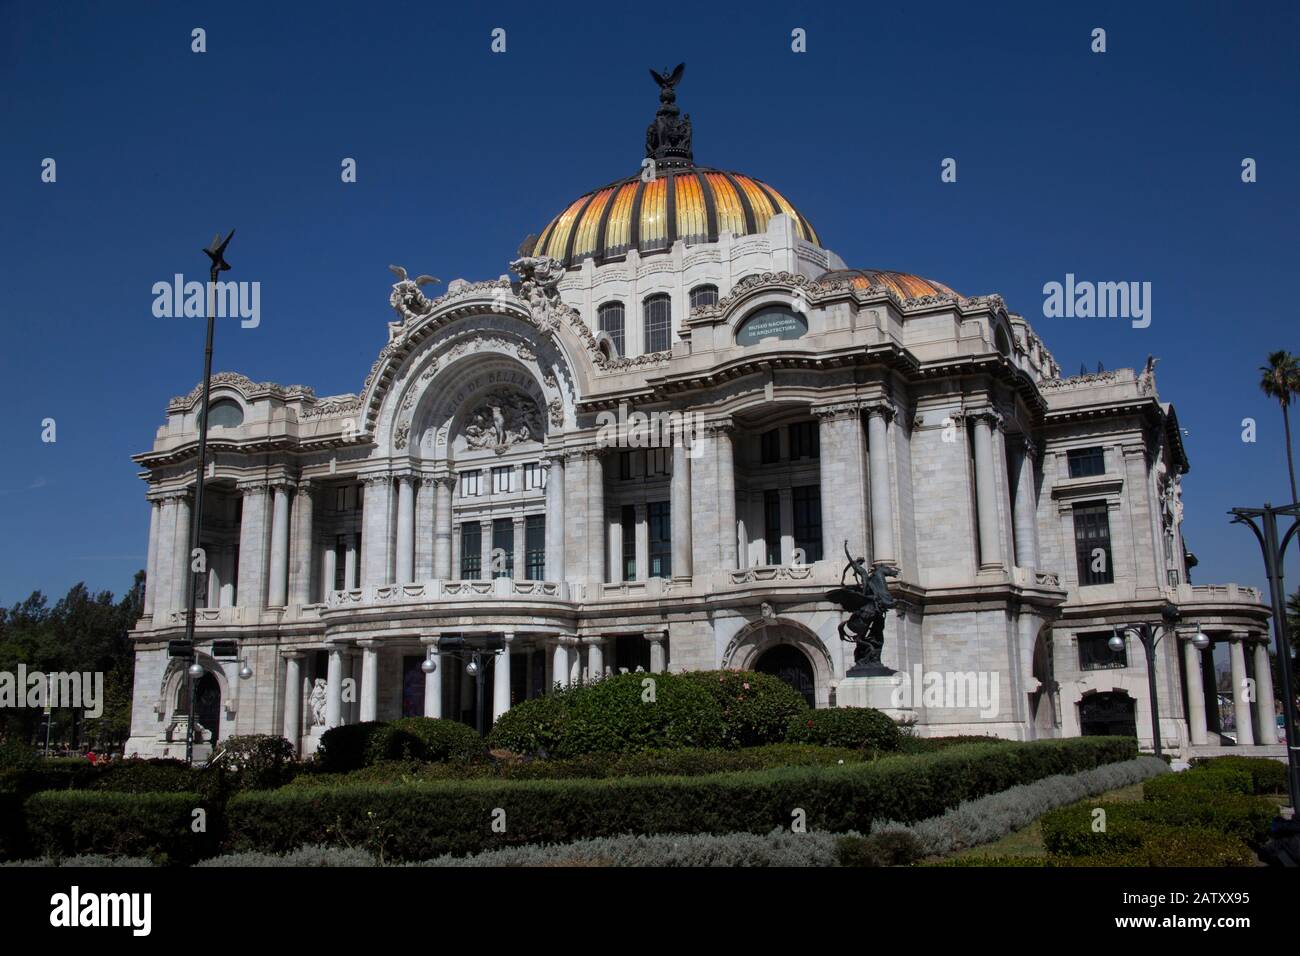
(880, 692)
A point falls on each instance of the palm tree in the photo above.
(1281, 380)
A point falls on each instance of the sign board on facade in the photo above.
(776, 322)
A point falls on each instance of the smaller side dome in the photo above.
(902, 284)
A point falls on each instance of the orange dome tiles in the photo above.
(902, 284)
(693, 204)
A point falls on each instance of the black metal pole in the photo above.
(1149, 641)
(481, 678)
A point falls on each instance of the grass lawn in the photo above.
(1029, 841)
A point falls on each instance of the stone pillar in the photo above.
(278, 574)
(442, 527)
(520, 543)
(786, 496)
(164, 560)
(329, 570)
(181, 553)
(334, 689)
(501, 678)
(228, 577)
(151, 562)
(405, 529)
(216, 558)
(680, 509)
(1196, 729)
(304, 542)
(352, 713)
(843, 480)
(658, 651)
(1240, 705)
(726, 495)
(375, 530)
(369, 696)
(882, 500)
(1026, 511)
(554, 517)
(351, 571)
(485, 548)
(642, 540)
(560, 667)
(595, 658)
(293, 699)
(252, 546)
(433, 682)
(615, 525)
(985, 488)
(425, 522)
(1264, 695)
(595, 521)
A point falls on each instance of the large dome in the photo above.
(694, 203)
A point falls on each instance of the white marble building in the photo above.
(468, 490)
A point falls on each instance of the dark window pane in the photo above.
(1085, 462)
(471, 550)
(808, 521)
(535, 547)
(1095, 653)
(770, 446)
(803, 440)
(1092, 543)
(627, 517)
(609, 318)
(658, 314)
(704, 295)
(503, 540)
(772, 525)
(659, 518)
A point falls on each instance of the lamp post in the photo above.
(475, 658)
(1263, 521)
(1147, 634)
(217, 254)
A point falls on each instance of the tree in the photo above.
(1280, 380)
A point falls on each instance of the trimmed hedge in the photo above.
(854, 727)
(155, 825)
(756, 708)
(422, 820)
(347, 746)
(1267, 776)
(424, 738)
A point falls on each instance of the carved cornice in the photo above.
(246, 387)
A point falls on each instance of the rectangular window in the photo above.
(658, 313)
(1095, 653)
(657, 461)
(535, 547)
(659, 518)
(534, 476)
(1092, 543)
(803, 441)
(1086, 462)
(769, 446)
(772, 525)
(471, 550)
(808, 521)
(631, 651)
(503, 548)
(471, 484)
(625, 470)
(627, 518)
(340, 562)
(340, 498)
(501, 481)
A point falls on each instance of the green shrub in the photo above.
(425, 738)
(756, 708)
(855, 727)
(532, 726)
(892, 848)
(1178, 786)
(422, 820)
(144, 776)
(258, 761)
(911, 744)
(157, 825)
(1068, 831)
(1172, 846)
(1267, 776)
(345, 747)
(16, 755)
(625, 714)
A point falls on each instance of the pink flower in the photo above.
(746, 685)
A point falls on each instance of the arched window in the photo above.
(658, 310)
(704, 295)
(609, 318)
(1003, 343)
(225, 413)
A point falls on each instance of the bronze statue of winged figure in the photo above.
(866, 603)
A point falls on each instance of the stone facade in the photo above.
(475, 494)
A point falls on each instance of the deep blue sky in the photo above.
(1121, 166)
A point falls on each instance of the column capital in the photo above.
(519, 519)
(838, 411)
(370, 643)
(431, 640)
(985, 413)
(407, 476)
(281, 484)
(1028, 446)
(293, 655)
(720, 427)
(593, 640)
(309, 486)
(170, 494)
(507, 638)
(656, 637)
(446, 481)
(882, 406)
(253, 486)
(379, 479)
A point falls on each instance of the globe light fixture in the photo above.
(429, 665)
(472, 668)
(1201, 641)
(195, 670)
(245, 672)
(1116, 643)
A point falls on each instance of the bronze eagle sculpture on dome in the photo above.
(667, 81)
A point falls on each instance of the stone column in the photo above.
(334, 689)
(485, 548)
(433, 682)
(501, 678)
(615, 525)
(595, 658)
(352, 714)
(658, 651)
(375, 530)
(164, 560)
(329, 570)
(252, 546)
(985, 488)
(1240, 705)
(293, 699)
(560, 667)
(304, 542)
(425, 521)
(216, 556)
(181, 553)
(843, 479)
(520, 543)
(1264, 695)
(680, 509)
(442, 527)
(351, 572)
(151, 562)
(879, 416)
(228, 577)
(405, 529)
(1026, 511)
(1196, 730)
(726, 494)
(595, 521)
(278, 574)
(642, 541)
(369, 696)
(554, 517)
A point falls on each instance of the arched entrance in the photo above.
(791, 666)
(1108, 714)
